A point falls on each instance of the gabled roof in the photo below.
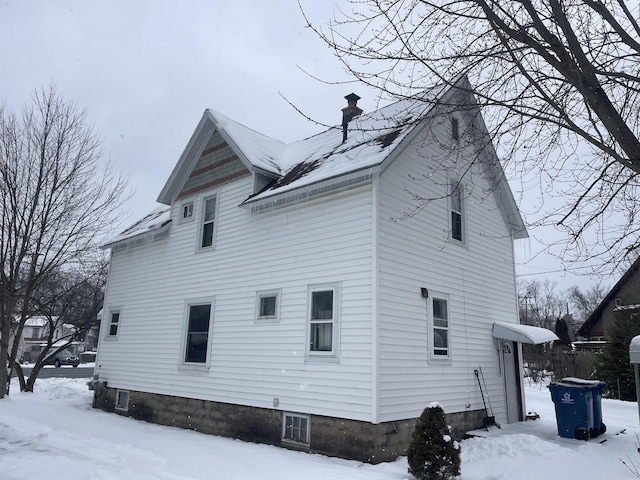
(597, 313)
(372, 138)
(317, 164)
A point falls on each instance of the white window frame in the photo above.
(335, 321)
(267, 294)
(456, 186)
(185, 333)
(110, 323)
(187, 210)
(204, 221)
(125, 394)
(293, 416)
(617, 302)
(433, 327)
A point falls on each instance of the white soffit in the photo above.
(523, 333)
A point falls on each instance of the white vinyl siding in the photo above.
(478, 280)
(250, 361)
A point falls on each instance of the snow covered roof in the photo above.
(371, 138)
(523, 333)
(154, 221)
(318, 164)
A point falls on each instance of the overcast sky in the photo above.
(146, 70)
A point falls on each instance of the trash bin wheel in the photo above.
(581, 433)
(603, 428)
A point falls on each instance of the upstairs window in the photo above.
(457, 223)
(455, 128)
(208, 222)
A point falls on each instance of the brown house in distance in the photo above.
(624, 294)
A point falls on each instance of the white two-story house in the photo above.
(320, 294)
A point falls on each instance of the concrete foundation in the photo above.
(339, 437)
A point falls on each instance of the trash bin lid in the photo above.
(581, 381)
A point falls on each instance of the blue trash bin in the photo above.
(574, 409)
(597, 389)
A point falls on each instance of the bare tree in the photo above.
(55, 201)
(70, 302)
(541, 303)
(584, 302)
(559, 84)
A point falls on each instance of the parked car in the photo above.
(63, 357)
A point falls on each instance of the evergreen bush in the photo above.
(432, 453)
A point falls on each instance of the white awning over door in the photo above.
(523, 333)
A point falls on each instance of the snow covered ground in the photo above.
(55, 434)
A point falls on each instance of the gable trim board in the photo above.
(338, 228)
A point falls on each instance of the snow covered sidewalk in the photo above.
(55, 433)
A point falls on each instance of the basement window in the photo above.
(122, 400)
(295, 428)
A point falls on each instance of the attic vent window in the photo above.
(455, 128)
(187, 211)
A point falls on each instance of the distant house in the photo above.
(291, 294)
(624, 295)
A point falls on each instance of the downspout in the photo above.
(375, 407)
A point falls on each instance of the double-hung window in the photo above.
(197, 333)
(457, 220)
(114, 323)
(440, 343)
(323, 320)
(208, 222)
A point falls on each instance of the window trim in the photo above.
(117, 405)
(114, 310)
(268, 318)
(617, 302)
(202, 222)
(456, 186)
(335, 320)
(432, 327)
(307, 418)
(185, 333)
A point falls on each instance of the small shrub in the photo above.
(432, 453)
